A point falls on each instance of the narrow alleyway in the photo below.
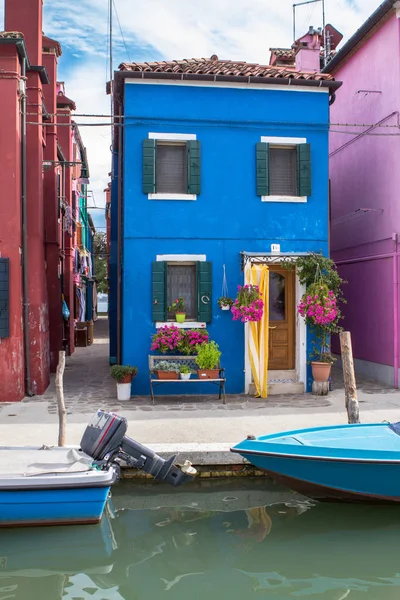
(87, 374)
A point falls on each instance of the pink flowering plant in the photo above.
(320, 305)
(166, 339)
(177, 306)
(170, 338)
(191, 339)
(320, 310)
(248, 305)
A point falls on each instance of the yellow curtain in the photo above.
(258, 332)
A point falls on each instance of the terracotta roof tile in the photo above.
(63, 101)
(52, 44)
(14, 35)
(232, 68)
(283, 52)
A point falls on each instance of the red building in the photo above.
(43, 176)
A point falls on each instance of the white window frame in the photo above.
(172, 137)
(181, 258)
(284, 141)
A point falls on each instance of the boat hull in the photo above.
(334, 481)
(52, 507)
(338, 464)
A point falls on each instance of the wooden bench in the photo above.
(190, 362)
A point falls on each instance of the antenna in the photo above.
(323, 23)
(110, 6)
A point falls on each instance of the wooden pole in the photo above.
(60, 398)
(349, 377)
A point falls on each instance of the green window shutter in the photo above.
(149, 167)
(262, 168)
(193, 166)
(204, 291)
(158, 279)
(304, 169)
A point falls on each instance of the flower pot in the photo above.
(180, 317)
(185, 376)
(224, 307)
(167, 375)
(208, 373)
(127, 379)
(123, 391)
(321, 370)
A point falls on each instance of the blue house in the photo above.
(218, 165)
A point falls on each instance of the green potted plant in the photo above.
(207, 359)
(123, 374)
(185, 372)
(178, 307)
(165, 369)
(225, 303)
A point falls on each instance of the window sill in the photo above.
(185, 325)
(297, 199)
(172, 196)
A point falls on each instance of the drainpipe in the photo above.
(395, 311)
(120, 323)
(25, 291)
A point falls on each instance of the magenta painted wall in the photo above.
(365, 174)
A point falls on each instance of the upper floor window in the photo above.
(283, 169)
(171, 166)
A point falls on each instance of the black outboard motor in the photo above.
(105, 441)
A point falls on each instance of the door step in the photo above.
(281, 382)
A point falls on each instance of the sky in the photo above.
(166, 30)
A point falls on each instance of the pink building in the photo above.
(365, 184)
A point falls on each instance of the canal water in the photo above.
(236, 540)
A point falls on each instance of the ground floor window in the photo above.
(188, 279)
(181, 283)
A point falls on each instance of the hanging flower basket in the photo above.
(319, 308)
(248, 305)
(225, 303)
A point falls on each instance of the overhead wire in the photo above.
(122, 33)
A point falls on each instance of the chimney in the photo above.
(26, 16)
(308, 50)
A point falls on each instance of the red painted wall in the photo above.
(11, 349)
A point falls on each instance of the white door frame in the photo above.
(300, 331)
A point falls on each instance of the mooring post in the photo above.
(349, 377)
(60, 398)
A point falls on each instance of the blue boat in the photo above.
(344, 463)
(68, 486)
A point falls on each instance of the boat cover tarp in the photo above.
(30, 462)
(395, 427)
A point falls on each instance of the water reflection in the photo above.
(239, 541)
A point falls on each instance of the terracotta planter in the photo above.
(127, 379)
(208, 373)
(167, 375)
(321, 370)
(180, 317)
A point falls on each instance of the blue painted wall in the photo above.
(227, 216)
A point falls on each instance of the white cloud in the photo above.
(173, 29)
